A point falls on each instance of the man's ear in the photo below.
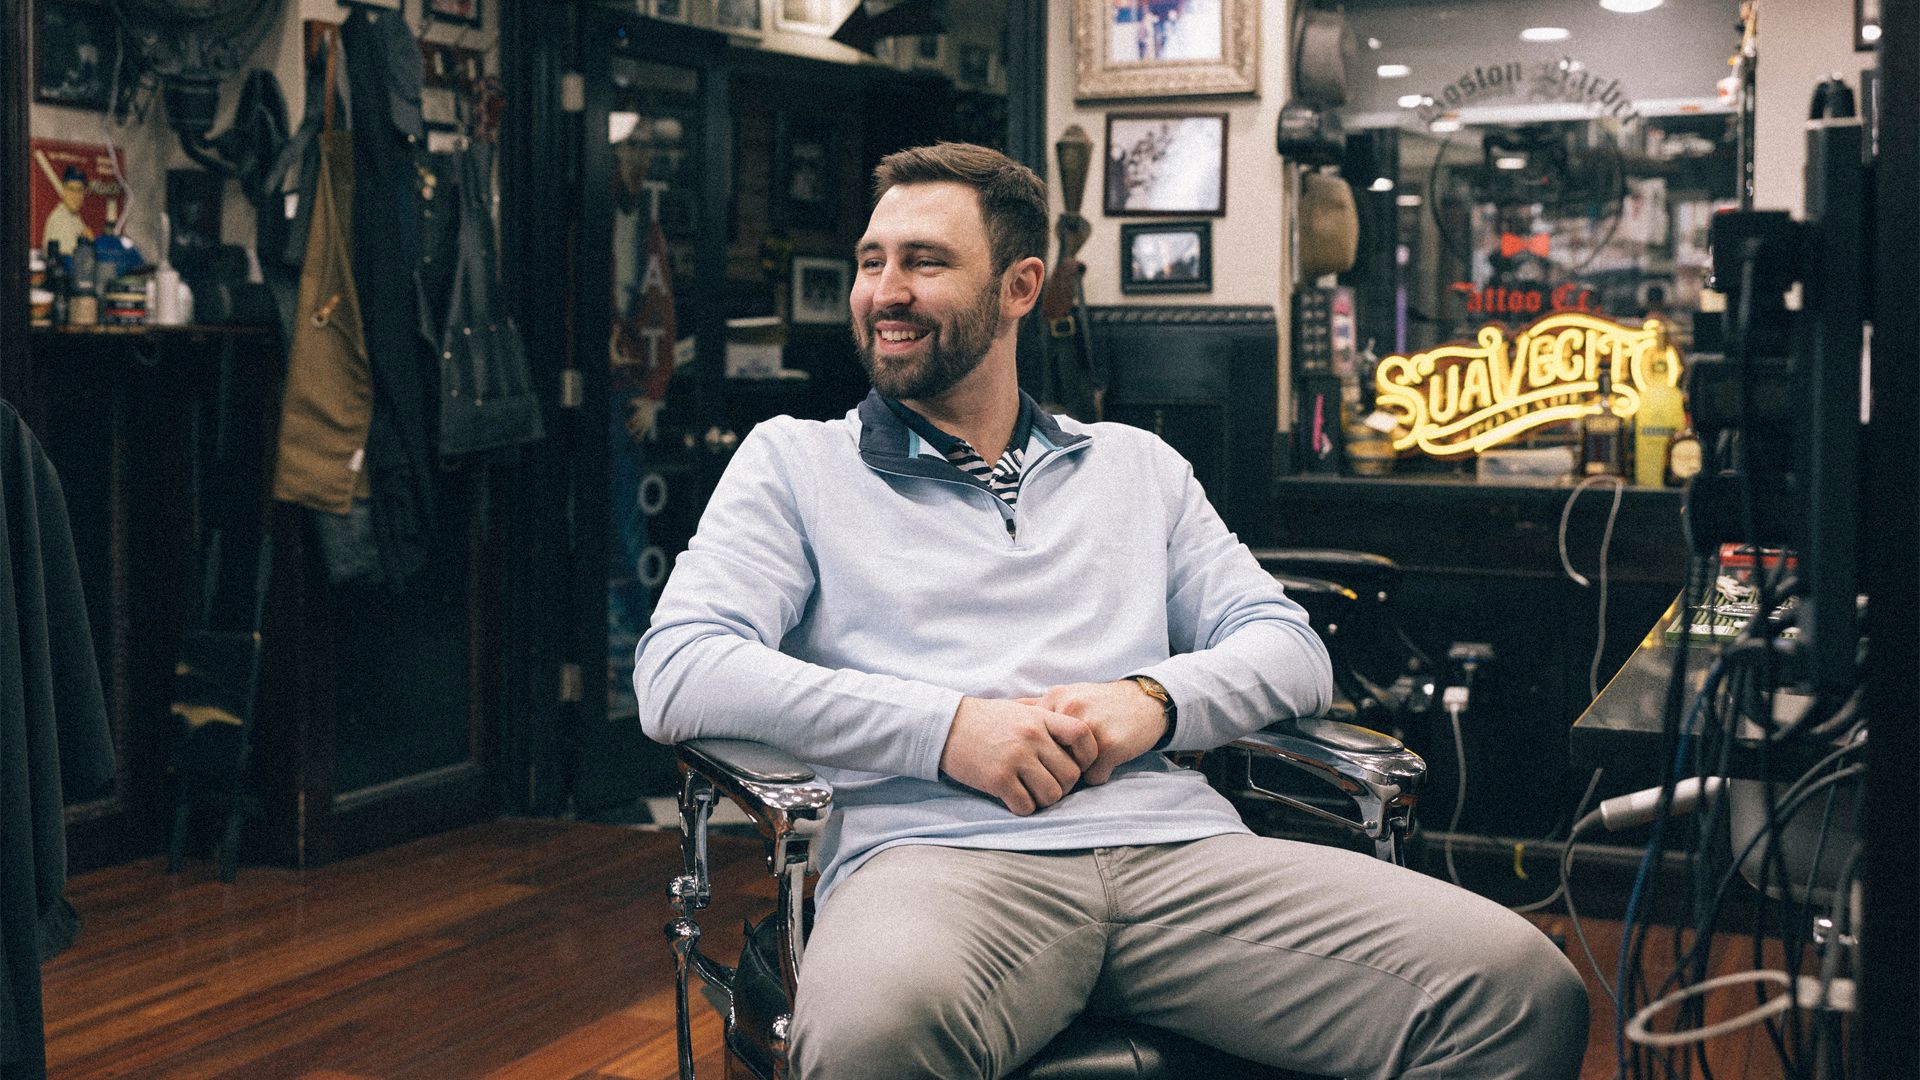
(1020, 289)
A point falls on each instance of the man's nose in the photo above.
(891, 288)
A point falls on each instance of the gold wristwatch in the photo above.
(1151, 687)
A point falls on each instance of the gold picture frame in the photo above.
(1165, 48)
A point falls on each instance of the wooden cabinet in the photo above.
(1482, 564)
(374, 714)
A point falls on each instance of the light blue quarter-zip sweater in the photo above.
(847, 586)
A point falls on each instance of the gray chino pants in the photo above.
(945, 962)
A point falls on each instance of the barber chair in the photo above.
(788, 805)
(1382, 680)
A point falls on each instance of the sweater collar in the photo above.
(886, 438)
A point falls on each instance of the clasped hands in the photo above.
(1030, 752)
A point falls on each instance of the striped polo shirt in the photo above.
(1002, 478)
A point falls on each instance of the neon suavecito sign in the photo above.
(1465, 398)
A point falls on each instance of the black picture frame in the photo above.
(460, 12)
(75, 47)
(742, 18)
(806, 154)
(1866, 13)
(1166, 165)
(1166, 257)
(819, 290)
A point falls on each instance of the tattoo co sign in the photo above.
(1465, 398)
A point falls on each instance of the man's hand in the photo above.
(1125, 721)
(1025, 756)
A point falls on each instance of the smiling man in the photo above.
(979, 622)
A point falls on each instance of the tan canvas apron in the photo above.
(328, 406)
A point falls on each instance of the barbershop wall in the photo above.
(148, 147)
(1249, 242)
(1801, 43)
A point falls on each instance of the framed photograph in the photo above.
(738, 17)
(464, 12)
(74, 190)
(930, 51)
(820, 17)
(74, 50)
(1165, 48)
(1165, 163)
(804, 187)
(1866, 24)
(449, 66)
(820, 287)
(1166, 257)
(976, 66)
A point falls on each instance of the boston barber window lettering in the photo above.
(1533, 210)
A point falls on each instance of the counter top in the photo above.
(1622, 728)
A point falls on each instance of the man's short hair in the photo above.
(1013, 200)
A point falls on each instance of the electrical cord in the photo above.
(1579, 815)
(1566, 563)
(1455, 700)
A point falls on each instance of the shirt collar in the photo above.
(946, 443)
(885, 436)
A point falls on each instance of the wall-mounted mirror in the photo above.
(1512, 159)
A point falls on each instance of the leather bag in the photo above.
(486, 386)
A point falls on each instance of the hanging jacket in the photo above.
(384, 71)
(55, 745)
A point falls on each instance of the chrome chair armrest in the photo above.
(1375, 771)
(779, 793)
(788, 805)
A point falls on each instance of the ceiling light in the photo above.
(1408, 200)
(1444, 126)
(1381, 183)
(1510, 162)
(1414, 101)
(1630, 7)
(1869, 31)
(1393, 71)
(1545, 33)
(1373, 43)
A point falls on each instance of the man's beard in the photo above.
(953, 350)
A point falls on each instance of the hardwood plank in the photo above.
(600, 1040)
(659, 1058)
(211, 988)
(518, 950)
(181, 1040)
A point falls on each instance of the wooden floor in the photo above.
(518, 950)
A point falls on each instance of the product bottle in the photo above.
(83, 300)
(1600, 434)
(1684, 454)
(58, 283)
(39, 300)
(1662, 409)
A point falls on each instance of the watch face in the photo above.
(1154, 690)
(1684, 458)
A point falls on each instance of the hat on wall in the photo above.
(1329, 225)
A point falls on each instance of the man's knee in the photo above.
(1527, 996)
(839, 1032)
